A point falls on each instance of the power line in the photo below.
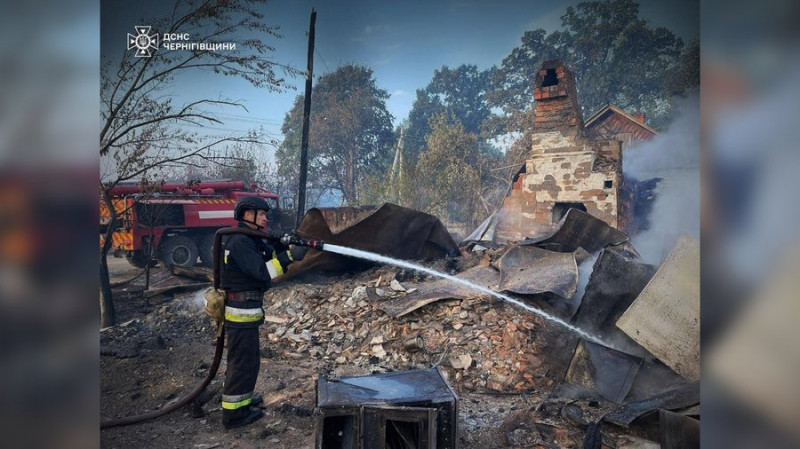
(323, 60)
(216, 128)
(250, 118)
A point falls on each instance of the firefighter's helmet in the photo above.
(249, 203)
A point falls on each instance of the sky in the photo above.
(403, 42)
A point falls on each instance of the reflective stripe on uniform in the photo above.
(225, 260)
(238, 315)
(275, 269)
(232, 402)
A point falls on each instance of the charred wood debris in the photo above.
(384, 319)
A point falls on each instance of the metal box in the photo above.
(400, 410)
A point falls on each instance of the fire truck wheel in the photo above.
(179, 250)
(207, 250)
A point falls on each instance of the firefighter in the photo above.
(248, 266)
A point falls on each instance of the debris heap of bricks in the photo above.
(481, 344)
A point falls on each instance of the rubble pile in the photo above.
(383, 320)
(166, 326)
(481, 344)
(523, 378)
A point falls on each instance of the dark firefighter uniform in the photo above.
(248, 266)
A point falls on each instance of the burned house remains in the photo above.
(571, 164)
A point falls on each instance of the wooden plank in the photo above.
(198, 273)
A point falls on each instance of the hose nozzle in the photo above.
(291, 239)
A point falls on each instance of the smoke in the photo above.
(673, 156)
(190, 303)
(197, 301)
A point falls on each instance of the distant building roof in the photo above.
(611, 119)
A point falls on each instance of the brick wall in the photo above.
(564, 166)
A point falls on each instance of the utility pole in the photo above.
(397, 168)
(397, 165)
(301, 192)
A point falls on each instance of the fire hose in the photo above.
(285, 239)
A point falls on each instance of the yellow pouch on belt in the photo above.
(215, 304)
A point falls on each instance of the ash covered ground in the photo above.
(506, 365)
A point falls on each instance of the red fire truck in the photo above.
(175, 223)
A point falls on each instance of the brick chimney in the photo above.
(639, 116)
(564, 169)
(556, 99)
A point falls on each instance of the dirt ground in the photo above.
(162, 347)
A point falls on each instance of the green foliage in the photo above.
(450, 168)
(238, 163)
(687, 76)
(460, 92)
(350, 134)
(452, 179)
(453, 168)
(512, 83)
(616, 56)
(424, 109)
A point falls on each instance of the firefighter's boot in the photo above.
(252, 415)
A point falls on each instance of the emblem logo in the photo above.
(144, 42)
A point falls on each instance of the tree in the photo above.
(350, 134)
(446, 143)
(241, 163)
(143, 131)
(686, 79)
(424, 109)
(463, 90)
(398, 185)
(456, 173)
(460, 92)
(617, 58)
(512, 82)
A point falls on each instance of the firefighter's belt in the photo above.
(250, 295)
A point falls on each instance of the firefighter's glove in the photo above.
(279, 247)
(297, 252)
